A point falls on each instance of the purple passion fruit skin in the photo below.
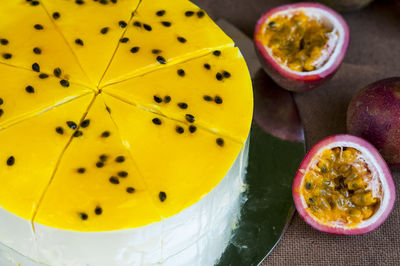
(275, 110)
(374, 114)
(343, 186)
(333, 50)
(346, 5)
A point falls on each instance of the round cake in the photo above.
(123, 132)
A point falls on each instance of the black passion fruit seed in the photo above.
(60, 130)
(218, 100)
(189, 13)
(226, 74)
(217, 53)
(160, 13)
(104, 30)
(207, 98)
(103, 157)
(135, 49)
(81, 170)
(123, 174)
(220, 142)
(83, 216)
(72, 125)
(29, 89)
(161, 60)
(36, 67)
(181, 39)
(98, 210)
(157, 121)
(120, 159)
(147, 27)
(157, 99)
(167, 99)
(57, 72)
(105, 134)
(130, 190)
(200, 14)
(183, 105)
(190, 118)
(122, 24)
(162, 196)
(179, 129)
(85, 123)
(64, 83)
(181, 72)
(78, 134)
(192, 129)
(11, 161)
(3, 41)
(37, 50)
(7, 56)
(79, 42)
(38, 27)
(56, 15)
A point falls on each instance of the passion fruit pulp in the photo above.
(343, 186)
(374, 114)
(301, 45)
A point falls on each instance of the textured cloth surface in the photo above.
(374, 53)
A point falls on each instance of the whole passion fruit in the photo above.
(374, 114)
(301, 45)
(343, 186)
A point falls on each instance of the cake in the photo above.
(123, 127)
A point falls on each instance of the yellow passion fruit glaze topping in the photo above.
(339, 188)
(301, 41)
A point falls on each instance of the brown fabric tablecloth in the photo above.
(374, 53)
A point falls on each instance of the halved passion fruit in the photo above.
(301, 45)
(343, 186)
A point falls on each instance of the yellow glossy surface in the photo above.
(339, 188)
(18, 104)
(185, 166)
(166, 167)
(199, 31)
(85, 22)
(18, 18)
(72, 193)
(230, 117)
(36, 148)
(296, 40)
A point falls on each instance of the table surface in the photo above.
(373, 54)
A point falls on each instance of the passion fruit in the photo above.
(374, 114)
(343, 186)
(275, 110)
(301, 45)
